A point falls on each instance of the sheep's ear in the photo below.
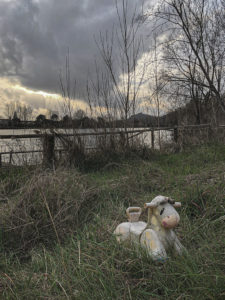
(177, 204)
(150, 205)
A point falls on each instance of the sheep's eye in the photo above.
(170, 201)
(161, 212)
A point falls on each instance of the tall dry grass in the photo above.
(47, 208)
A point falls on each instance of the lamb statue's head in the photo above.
(162, 212)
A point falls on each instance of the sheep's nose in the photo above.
(170, 221)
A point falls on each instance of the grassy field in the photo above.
(56, 238)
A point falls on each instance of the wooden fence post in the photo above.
(175, 134)
(152, 139)
(10, 157)
(48, 150)
(60, 155)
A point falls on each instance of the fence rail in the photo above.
(42, 135)
(48, 138)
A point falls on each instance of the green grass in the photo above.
(87, 263)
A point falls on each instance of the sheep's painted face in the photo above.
(167, 215)
(163, 208)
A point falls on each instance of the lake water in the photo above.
(90, 142)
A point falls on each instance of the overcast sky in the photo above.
(34, 38)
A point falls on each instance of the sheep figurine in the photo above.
(157, 235)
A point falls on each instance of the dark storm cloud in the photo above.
(35, 36)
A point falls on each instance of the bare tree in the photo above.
(24, 112)
(120, 52)
(79, 114)
(68, 88)
(194, 48)
(156, 82)
(101, 98)
(54, 117)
